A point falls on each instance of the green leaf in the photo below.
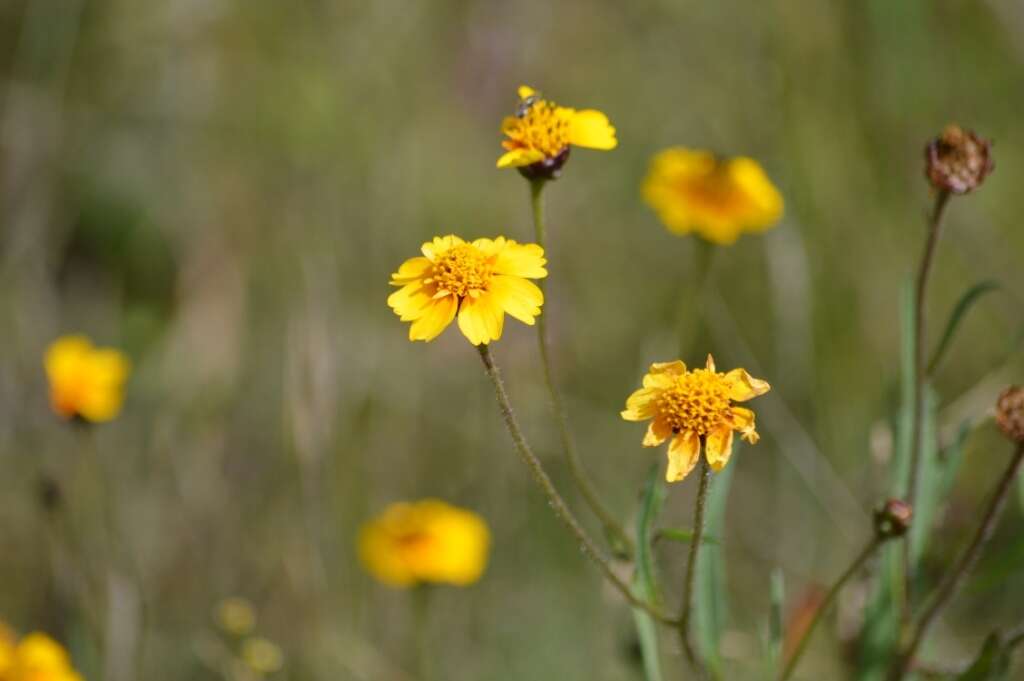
(971, 296)
(930, 488)
(682, 536)
(993, 663)
(645, 580)
(776, 628)
(711, 609)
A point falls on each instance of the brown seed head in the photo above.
(1010, 413)
(892, 519)
(958, 161)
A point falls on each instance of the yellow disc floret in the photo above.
(461, 270)
(699, 401)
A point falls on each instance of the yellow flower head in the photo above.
(480, 281)
(37, 657)
(538, 136)
(719, 199)
(236, 616)
(262, 655)
(85, 381)
(693, 407)
(425, 541)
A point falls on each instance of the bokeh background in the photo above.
(222, 187)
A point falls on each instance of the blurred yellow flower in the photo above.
(539, 135)
(85, 381)
(480, 281)
(37, 657)
(262, 655)
(236, 616)
(694, 407)
(719, 199)
(425, 541)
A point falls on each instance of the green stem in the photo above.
(954, 579)
(691, 311)
(555, 500)
(691, 565)
(826, 604)
(612, 527)
(421, 623)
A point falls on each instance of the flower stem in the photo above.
(826, 604)
(691, 564)
(962, 568)
(421, 623)
(555, 500)
(611, 526)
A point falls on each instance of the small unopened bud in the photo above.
(958, 161)
(546, 168)
(1010, 413)
(892, 519)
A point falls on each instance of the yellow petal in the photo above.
(525, 91)
(519, 157)
(743, 386)
(719, 447)
(481, 319)
(675, 368)
(741, 419)
(518, 297)
(683, 454)
(642, 404)
(432, 249)
(591, 129)
(64, 355)
(411, 270)
(434, 319)
(411, 301)
(521, 260)
(657, 432)
(763, 202)
(660, 380)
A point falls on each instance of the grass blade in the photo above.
(711, 610)
(646, 576)
(971, 296)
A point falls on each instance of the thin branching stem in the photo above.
(827, 603)
(954, 579)
(612, 527)
(558, 504)
(691, 565)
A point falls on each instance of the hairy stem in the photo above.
(540, 476)
(691, 565)
(572, 457)
(954, 579)
(826, 604)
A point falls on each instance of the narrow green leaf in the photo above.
(992, 664)
(929, 483)
(901, 456)
(776, 630)
(646, 580)
(682, 536)
(711, 611)
(971, 296)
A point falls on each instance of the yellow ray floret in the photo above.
(694, 407)
(85, 381)
(425, 541)
(542, 130)
(719, 199)
(36, 657)
(479, 282)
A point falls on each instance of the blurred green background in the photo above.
(222, 188)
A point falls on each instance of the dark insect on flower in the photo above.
(958, 160)
(1010, 413)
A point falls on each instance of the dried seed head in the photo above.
(958, 161)
(1010, 413)
(892, 519)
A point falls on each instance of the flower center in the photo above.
(699, 401)
(715, 191)
(462, 269)
(542, 126)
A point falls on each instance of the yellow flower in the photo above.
(261, 655)
(236, 616)
(425, 541)
(37, 657)
(693, 407)
(719, 199)
(480, 281)
(85, 381)
(539, 135)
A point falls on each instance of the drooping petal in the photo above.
(590, 128)
(481, 319)
(719, 447)
(676, 368)
(657, 432)
(743, 386)
(518, 297)
(410, 301)
(516, 158)
(411, 270)
(683, 454)
(642, 404)
(521, 260)
(434, 319)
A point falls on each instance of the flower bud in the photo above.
(892, 519)
(957, 161)
(1010, 413)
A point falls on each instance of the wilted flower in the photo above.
(958, 161)
(236, 616)
(694, 407)
(480, 281)
(262, 655)
(85, 381)
(540, 133)
(36, 657)
(892, 519)
(425, 541)
(1010, 413)
(694, 191)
